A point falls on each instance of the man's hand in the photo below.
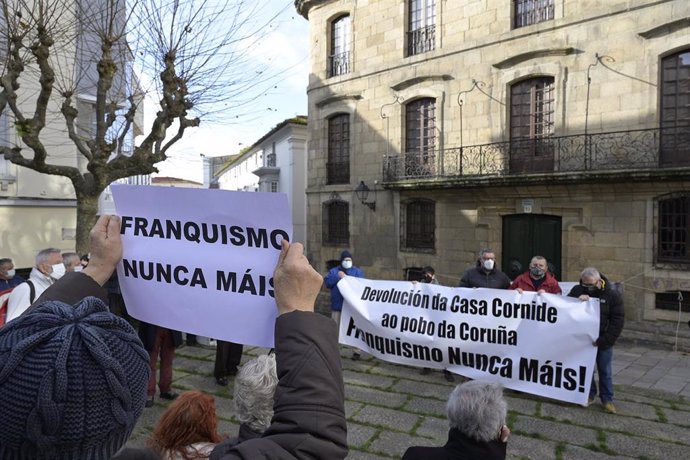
(541, 291)
(106, 248)
(295, 283)
(520, 291)
(584, 297)
(341, 274)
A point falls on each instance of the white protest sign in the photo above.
(535, 343)
(201, 260)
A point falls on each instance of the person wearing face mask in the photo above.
(485, 274)
(72, 262)
(429, 277)
(537, 278)
(334, 275)
(612, 316)
(48, 269)
(8, 276)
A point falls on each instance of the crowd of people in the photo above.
(75, 378)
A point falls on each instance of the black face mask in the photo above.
(428, 278)
(592, 289)
(537, 272)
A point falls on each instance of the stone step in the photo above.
(659, 334)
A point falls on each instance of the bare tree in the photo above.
(85, 66)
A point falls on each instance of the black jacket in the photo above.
(612, 312)
(147, 334)
(476, 277)
(459, 447)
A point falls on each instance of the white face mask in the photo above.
(346, 264)
(11, 273)
(489, 264)
(58, 271)
(78, 268)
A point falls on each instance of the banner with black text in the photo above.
(536, 343)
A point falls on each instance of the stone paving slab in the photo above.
(432, 427)
(649, 448)
(395, 444)
(426, 406)
(358, 378)
(580, 453)
(554, 431)
(387, 418)
(524, 447)
(358, 435)
(374, 396)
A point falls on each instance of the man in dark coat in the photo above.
(477, 413)
(612, 317)
(485, 274)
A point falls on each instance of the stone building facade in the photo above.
(559, 128)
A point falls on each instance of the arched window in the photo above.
(421, 29)
(532, 125)
(338, 165)
(420, 137)
(418, 225)
(675, 109)
(339, 59)
(336, 222)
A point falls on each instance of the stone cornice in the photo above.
(416, 80)
(331, 99)
(303, 6)
(511, 61)
(665, 29)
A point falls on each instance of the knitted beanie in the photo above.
(72, 382)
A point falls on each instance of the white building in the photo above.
(275, 163)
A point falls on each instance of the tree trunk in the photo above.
(87, 214)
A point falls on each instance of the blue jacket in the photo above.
(331, 281)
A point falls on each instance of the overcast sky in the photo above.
(284, 48)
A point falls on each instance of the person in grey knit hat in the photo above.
(73, 376)
(72, 382)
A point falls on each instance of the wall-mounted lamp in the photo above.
(362, 192)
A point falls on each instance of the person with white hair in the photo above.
(48, 269)
(477, 414)
(255, 387)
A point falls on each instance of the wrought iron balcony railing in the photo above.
(339, 64)
(421, 40)
(645, 149)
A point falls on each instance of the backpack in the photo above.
(5, 298)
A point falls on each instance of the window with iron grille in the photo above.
(336, 222)
(671, 301)
(529, 12)
(420, 137)
(674, 229)
(274, 187)
(339, 59)
(675, 109)
(338, 166)
(418, 225)
(421, 31)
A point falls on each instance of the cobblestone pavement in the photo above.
(390, 407)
